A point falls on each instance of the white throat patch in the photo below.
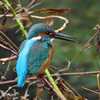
(51, 40)
(36, 38)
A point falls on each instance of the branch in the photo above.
(7, 4)
(8, 58)
(15, 80)
(56, 74)
(57, 90)
(77, 73)
(66, 21)
(89, 90)
(7, 48)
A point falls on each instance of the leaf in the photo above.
(53, 10)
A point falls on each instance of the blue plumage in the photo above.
(35, 51)
(32, 54)
(37, 29)
(22, 62)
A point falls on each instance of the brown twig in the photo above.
(89, 90)
(11, 44)
(7, 48)
(15, 80)
(56, 74)
(78, 73)
(8, 58)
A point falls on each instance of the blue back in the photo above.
(30, 59)
(22, 62)
(37, 55)
(32, 53)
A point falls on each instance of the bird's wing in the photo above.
(30, 59)
(37, 56)
(22, 62)
(22, 45)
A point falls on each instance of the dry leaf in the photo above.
(53, 10)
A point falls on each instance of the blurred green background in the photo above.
(83, 18)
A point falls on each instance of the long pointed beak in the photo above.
(63, 36)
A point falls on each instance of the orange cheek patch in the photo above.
(43, 33)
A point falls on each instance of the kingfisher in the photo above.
(36, 51)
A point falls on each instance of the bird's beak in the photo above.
(63, 36)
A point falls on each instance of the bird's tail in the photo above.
(21, 69)
(21, 81)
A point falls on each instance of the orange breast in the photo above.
(47, 62)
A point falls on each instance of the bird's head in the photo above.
(44, 30)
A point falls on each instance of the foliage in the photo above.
(77, 63)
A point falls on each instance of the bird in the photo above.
(36, 51)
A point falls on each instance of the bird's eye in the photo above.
(51, 34)
(47, 33)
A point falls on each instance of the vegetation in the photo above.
(75, 66)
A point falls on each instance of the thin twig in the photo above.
(98, 84)
(88, 42)
(5, 47)
(9, 40)
(78, 73)
(15, 80)
(98, 81)
(66, 21)
(57, 91)
(56, 88)
(89, 90)
(7, 4)
(75, 92)
(85, 46)
(8, 58)
(56, 74)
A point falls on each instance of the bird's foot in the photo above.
(40, 76)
